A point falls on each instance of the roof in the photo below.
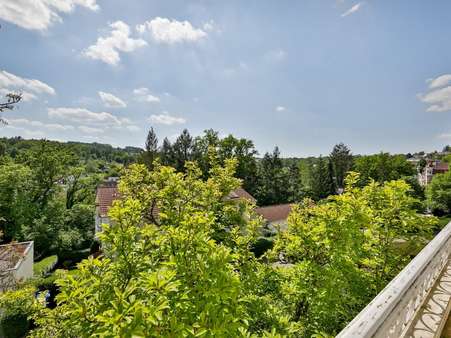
(441, 167)
(241, 193)
(12, 253)
(108, 192)
(273, 213)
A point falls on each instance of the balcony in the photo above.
(416, 303)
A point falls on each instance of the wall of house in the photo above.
(24, 268)
(99, 221)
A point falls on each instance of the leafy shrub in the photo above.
(44, 266)
(16, 307)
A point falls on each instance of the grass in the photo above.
(443, 221)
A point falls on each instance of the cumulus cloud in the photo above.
(107, 48)
(38, 124)
(85, 116)
(280, 108)
(438, 98)
(40, 14)
(143, 95)
(440, 81)
(109, 100)
(163, 30)
(29, 88)
(353, 9)
(166, 118)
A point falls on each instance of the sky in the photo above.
(302, 75)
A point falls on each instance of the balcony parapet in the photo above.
(399, 308)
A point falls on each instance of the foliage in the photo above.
(181, 275)
(44, 266)
(17, 306)
(438, 193)
(322, 181)
(344, 243)
(341, 161)
(383, 167)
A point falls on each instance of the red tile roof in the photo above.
(441, 167)
(108, 192)
(273, 213)
(241, 193)
(105, 196)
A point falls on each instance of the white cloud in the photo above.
(40, 14)
(111, 101)
(280, 108)
(440, 81)
(85, 116)
(439, 100)
(166, 118)
(107, 49)
(90, 130)
(29, 88)
(143, 95)
(163, 30)
(38, 124)
(353, 9)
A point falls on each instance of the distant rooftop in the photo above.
(12, 253)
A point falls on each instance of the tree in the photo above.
(322, 182)
(272, 179)
(344, 243)
(11, 100)
(183, 150)
(167, 153)
(383, 167)
(438, 193)
(171, 279)
(341, 160)
(151, 149)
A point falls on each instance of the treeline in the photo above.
(271, 178)
(84, 151)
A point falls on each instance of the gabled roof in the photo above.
(108, 192)
(241, 193)
(273, 213)
(441, 167)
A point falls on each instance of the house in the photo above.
(432, 167)
(275, 215)
(16, 263)
(108, 192)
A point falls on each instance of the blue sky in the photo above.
(302, 75)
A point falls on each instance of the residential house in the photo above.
(432, 167)
(16, 263)
(274, 215)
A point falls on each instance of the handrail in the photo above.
(391, 312)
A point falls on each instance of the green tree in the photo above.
(383, 167)
(344, 243)
(170, 279)
(151, 149)
(438, 194)
(342, 161)
(322, 182)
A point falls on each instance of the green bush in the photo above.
(45, 265)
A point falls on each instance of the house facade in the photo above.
(431, 168)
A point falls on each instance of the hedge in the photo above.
(44, 266)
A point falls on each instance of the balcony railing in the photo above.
(416, 303)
